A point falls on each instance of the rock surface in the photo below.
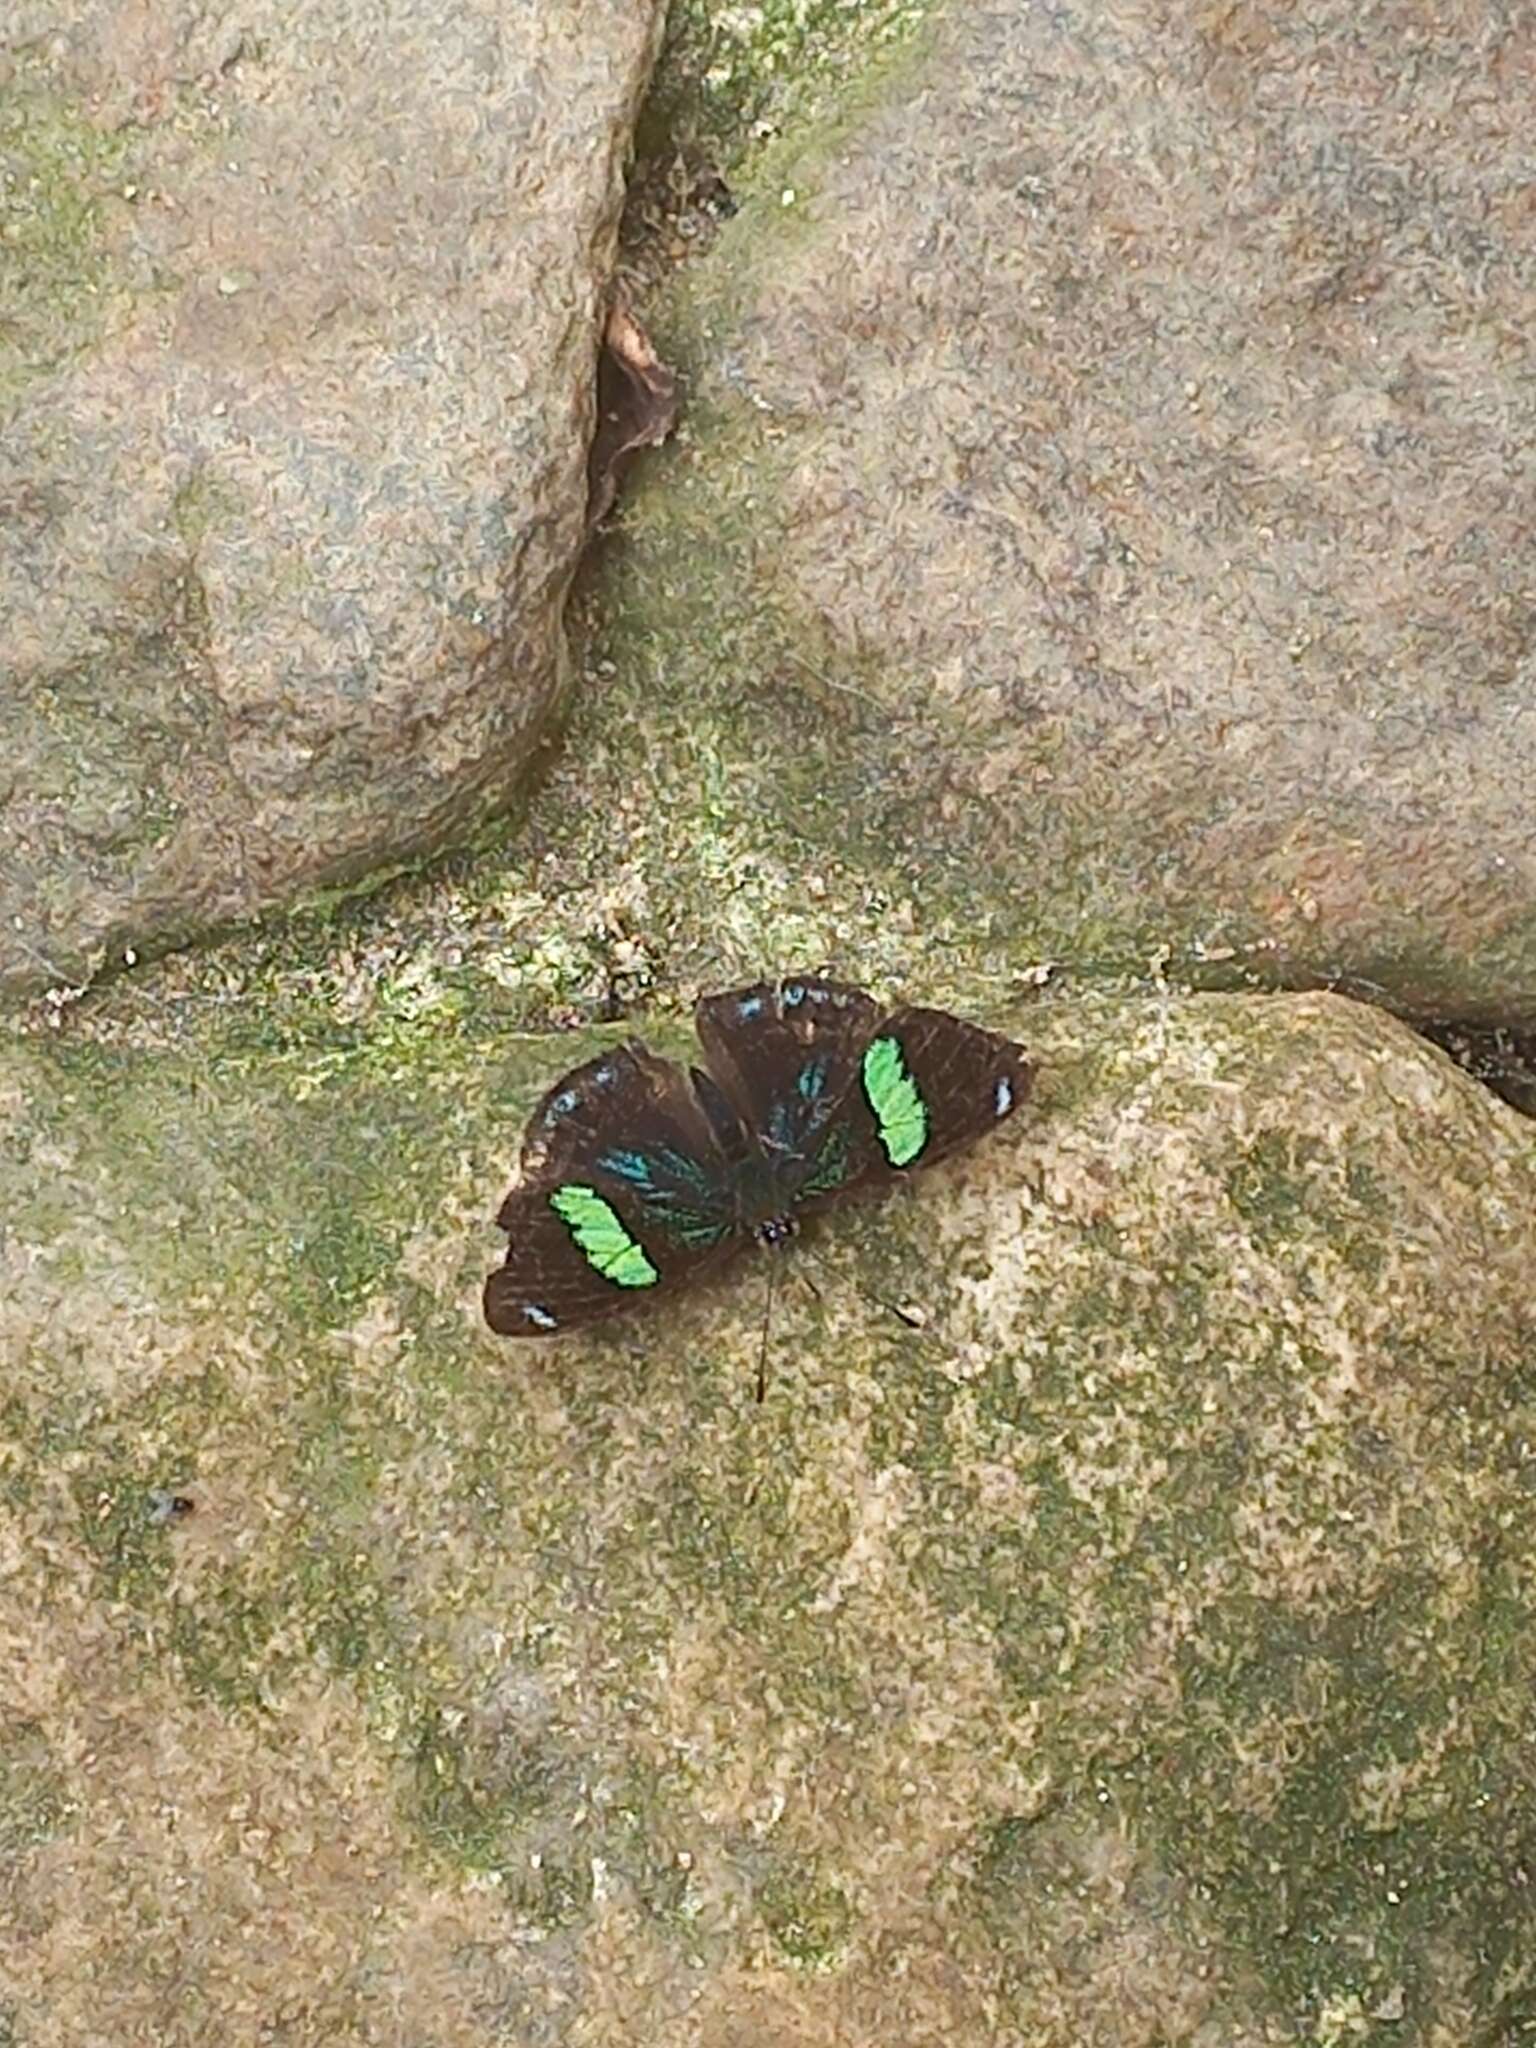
(295, 393)
(1141, 1653)
(1145, 389)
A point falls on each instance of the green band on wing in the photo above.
(894, 1098)
(603, 1240)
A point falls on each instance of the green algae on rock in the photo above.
(1142, 1649)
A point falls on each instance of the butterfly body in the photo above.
(638, 1174)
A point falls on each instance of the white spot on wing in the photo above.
(1002, 1096)
(539, 1317)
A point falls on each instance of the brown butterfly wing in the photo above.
(626, 1130)
(787, 1054)
(546, 1286)
(968, 1079)
(792, 1055)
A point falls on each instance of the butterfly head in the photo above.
(776, 1231)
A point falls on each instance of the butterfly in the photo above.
(638, 1176)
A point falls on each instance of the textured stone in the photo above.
(1140, 1652)
(1151, 392)
(296, 400)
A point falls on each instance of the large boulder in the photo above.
(1138, 397)
(296, 387)
(1140, 1652)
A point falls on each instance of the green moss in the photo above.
(1270, 1186)
(57, 278)
(518, 1804)
(727, 76)
(1303, 1879)
(236, 1644)
(474, 1816)
(34, 1800)
(911, 1426)
(199, 503)
(1292, 1192)
(256, 1195)
(808, 1918)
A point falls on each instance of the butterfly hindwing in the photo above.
(624, 1188)
(787, 1054)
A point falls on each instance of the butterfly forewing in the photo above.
(932, 1083)
(624, 1187)
(548, 1284)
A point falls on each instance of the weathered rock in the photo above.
(1141, 1653)
(1150, 398)
(301, 312)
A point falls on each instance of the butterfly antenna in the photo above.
(893, 1308)
(902, 1315)
(762, 1354)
